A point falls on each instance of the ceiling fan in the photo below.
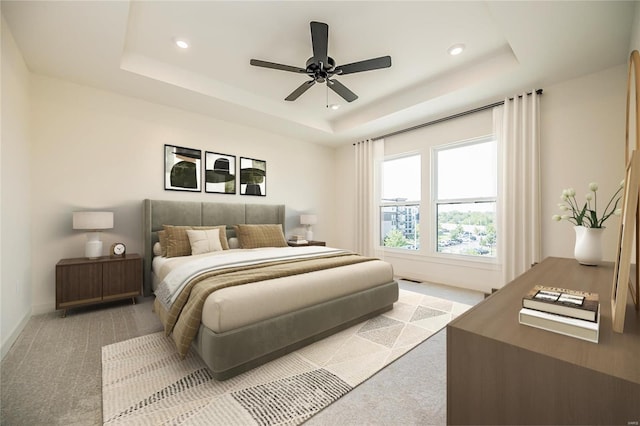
(321, 67)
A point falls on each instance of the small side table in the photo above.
(83, 281)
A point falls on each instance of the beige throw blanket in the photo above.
(182, 319)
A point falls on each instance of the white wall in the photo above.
(582, 141)
(634, 44)
(344, 172)
(15, 185)
(98, 150)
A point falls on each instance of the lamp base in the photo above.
(93, 248)
(309, 235)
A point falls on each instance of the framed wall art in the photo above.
(219, 173)
(253, 177)
(182, 168)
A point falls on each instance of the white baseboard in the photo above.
(9, 341)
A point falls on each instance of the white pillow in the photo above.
(157, 249)
(204, 241)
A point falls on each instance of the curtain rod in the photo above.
(460, 114)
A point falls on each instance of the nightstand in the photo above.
(83, 281)
(309, 243)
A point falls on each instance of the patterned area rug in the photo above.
(144, 381)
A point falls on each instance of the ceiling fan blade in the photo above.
(368, 65)
(300, 90)
(342, 90)
(320, 41)
(273, 65)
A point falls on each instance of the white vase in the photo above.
(588, 249)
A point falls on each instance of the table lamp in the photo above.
(308, 220)
(94, 222)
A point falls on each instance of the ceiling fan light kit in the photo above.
(322, 68)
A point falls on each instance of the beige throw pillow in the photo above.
(178, 241)
(204, 241)
(256, 236)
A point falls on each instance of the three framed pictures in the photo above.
(183, 172)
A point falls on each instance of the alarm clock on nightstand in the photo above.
(118, 250)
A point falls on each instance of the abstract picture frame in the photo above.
(219, 173)
(182, 168)
(253, 177)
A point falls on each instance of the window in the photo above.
(400, 203)
(465, 183)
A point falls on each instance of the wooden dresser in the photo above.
(502, 372)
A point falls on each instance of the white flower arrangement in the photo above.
(587, 216)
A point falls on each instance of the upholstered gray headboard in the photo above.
(161, 212)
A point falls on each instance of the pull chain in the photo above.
(327, 94)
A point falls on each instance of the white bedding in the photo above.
(233, 307)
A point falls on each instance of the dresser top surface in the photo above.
(497, 318)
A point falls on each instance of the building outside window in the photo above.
(400, 203)
(465, 191)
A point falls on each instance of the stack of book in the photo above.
(298, 240)
(569, 312)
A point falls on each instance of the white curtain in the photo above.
(368, 155)
(517, 126)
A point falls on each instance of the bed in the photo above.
(242, 326)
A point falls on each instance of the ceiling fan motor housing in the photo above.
(319, 71)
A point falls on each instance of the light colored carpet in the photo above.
(144, 381)
(52, 373)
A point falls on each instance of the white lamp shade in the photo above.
(92, 220)
(308, 219)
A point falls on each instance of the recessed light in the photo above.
(182, 44)
(456, 49)
(334, 106)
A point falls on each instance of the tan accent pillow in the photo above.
(256, 236)
(162, 236)
(204, 240)
(178, 241)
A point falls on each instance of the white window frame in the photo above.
(435, 201)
